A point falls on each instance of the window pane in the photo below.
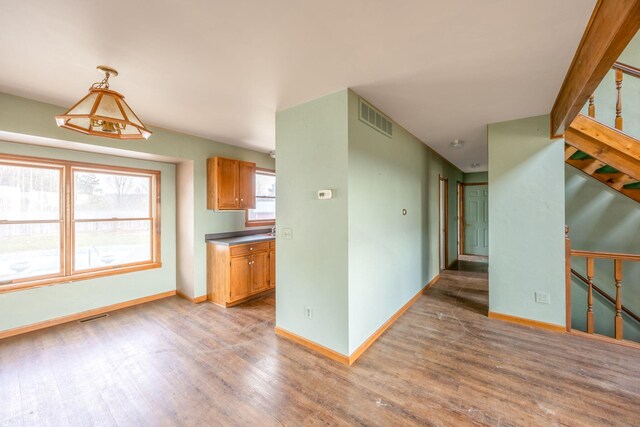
(265, 210)
(104, 195)
(111, 243)
(28, 193)
(265, 185)
(29, 250)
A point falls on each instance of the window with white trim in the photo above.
(265, 211)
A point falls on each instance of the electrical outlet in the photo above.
(308, 313)
(287, 233)
(543, 298)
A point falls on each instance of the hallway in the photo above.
(443, 362)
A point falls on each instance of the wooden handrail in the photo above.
(627, 69)
(591, 256)
(606, 295)
(605, 255)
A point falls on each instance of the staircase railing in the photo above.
(605, 295)
(590, 257)
(620, 70)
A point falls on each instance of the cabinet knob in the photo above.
(250, 249)
(236, 199)
(242, 200)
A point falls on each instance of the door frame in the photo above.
(443, 200)
(461, 187)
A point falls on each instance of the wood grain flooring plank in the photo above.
(443, 362)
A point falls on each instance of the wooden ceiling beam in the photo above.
(569, 151)
(608, 145)
(612, 25)
(617, 184)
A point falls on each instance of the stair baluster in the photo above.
(618, 259)
(590, 317)
(619, 75)
(618, 279)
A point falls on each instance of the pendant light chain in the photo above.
(104, 84)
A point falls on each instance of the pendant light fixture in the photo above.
(103, 112)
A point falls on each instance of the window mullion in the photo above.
(68, 221)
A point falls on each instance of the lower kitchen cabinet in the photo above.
(272, 265)
(240, 272)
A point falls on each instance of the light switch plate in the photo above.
(325, 194)
(543, 298)
(287, 233)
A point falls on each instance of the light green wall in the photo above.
(602, 219)
(312, 269)
(391, 256)
(48, 302)
(27, 117)
(355, 259)
(526, 220)
(438, 167)
(476, 177)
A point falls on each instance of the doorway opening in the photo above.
(444, 222)
(473, 221)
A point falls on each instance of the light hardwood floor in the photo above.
(171, 362)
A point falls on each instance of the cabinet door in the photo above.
(272, 269)
(240, 285)
(227, 184)
(247, 187)
(260, 272)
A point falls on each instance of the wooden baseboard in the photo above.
(331, 354)
(431, 283)
(604, 338)
(89, 313)
(364, 346)
(527, 322)
(350, 360)
(195, 300)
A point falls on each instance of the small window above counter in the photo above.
(230, 184)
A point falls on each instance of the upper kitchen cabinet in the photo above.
(230, 184)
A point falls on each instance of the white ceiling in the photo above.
(221, 69)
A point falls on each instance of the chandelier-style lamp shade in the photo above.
(104, 112)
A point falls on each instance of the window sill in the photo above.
(259, 223)
(77, 277)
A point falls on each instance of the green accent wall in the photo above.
(602, 219)
(355, 259)
(312, 267)
(21, 116)
(526, 220)
(475, 177)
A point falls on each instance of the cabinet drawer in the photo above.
(250, 248)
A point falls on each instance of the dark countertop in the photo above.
(240, 237)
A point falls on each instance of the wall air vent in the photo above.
(375, 119)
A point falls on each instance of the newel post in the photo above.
(567, 261)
